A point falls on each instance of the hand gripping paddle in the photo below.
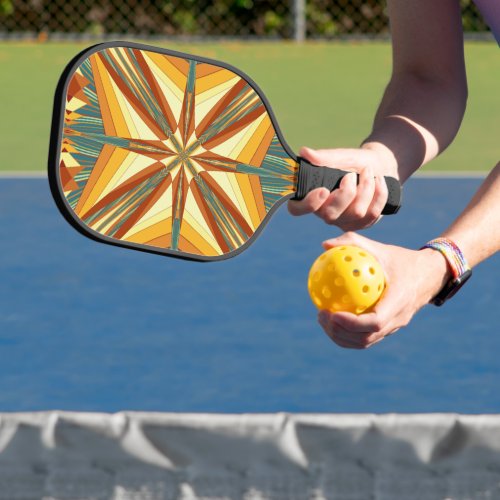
(173, 154)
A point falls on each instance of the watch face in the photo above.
(451, 288)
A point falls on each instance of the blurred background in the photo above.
(283, 19)
(344, 60)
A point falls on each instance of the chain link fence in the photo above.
(284, 19)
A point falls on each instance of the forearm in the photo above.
(416, 120)
(477, 230)
(424, 103)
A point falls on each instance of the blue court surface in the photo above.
(91, 327)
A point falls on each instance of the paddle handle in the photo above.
(312, 177)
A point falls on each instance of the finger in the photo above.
(353, 341)
(391, 312)
(380, 196)
(362, 324)
(362, 340)
(311, 203)
(346, 338)
(341, 339)
(366, 209)
(344, 344)
(393, 332)
(382, 320)
(365, 191)
(338, 334)
(338, 201)
(372, 343)
(375, 339)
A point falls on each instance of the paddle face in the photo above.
(164, 152)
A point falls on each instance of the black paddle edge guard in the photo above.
(312, 177)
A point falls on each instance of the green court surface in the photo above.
(323, 95)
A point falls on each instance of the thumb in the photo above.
(322, 157)
(353, 159)
(377, 249)
(349, 238)
(311, 155)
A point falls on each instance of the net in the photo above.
(159, 456)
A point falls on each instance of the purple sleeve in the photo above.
(490, 9)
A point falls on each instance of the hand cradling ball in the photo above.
(346, 278)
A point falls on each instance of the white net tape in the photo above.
(160, 456)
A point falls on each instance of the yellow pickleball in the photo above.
(346, 278)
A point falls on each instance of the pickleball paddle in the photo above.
(170, 153)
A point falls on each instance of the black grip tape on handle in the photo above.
(312, 177)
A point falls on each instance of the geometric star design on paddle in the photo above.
(183, 158)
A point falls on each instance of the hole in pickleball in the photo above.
(348, 258)
(331, 268)
(327, 293)
(379, 288)
(362, 254)
(366, 289)
(317, 276)
(317, 300)
(372, 270)
(346, 299)
(339, 281)
(360, 309)
(356, 273)
(336, 306)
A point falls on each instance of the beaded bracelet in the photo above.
(460, 269)
(452, 254)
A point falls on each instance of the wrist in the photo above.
(386, 156)
(437, 272)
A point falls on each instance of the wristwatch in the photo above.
(460, 270)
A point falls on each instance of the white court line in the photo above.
(454, 174)
(24, 174)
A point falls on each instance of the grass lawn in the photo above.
(323, 94)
